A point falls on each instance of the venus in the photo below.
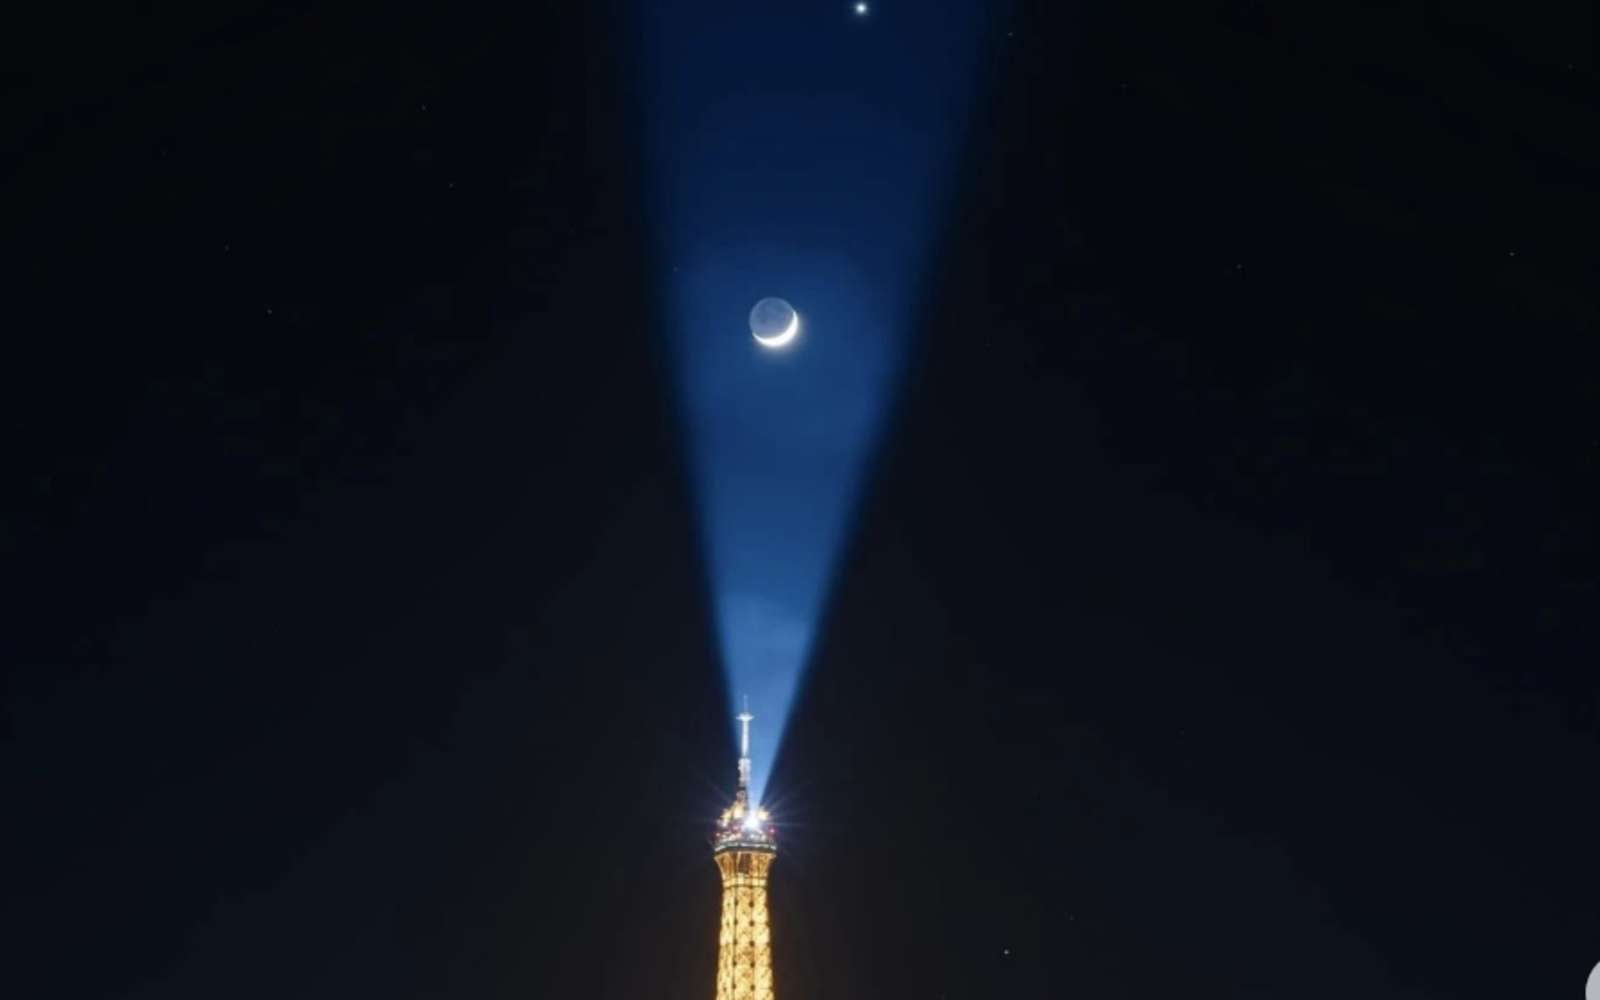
(774, 323)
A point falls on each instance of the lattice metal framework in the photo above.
(744, 846)
(744, 960)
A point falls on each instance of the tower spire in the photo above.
(744, 845)
(745, 719)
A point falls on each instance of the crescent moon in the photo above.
(782, 338)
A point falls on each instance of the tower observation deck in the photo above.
(743, 846)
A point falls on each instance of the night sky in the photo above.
(824, 178)
(1217, 616)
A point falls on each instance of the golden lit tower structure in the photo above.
(744, 847)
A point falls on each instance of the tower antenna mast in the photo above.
(743, 847)
(745, 719)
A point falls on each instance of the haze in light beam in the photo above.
(775, 179)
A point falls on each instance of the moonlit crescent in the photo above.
(778, 340)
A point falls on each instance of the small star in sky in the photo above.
(862, 10)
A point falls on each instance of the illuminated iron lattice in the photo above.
(744, 847)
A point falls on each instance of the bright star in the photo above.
(861, 9)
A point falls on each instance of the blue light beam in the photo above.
(792, 158)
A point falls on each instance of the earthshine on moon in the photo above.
(774, 323)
